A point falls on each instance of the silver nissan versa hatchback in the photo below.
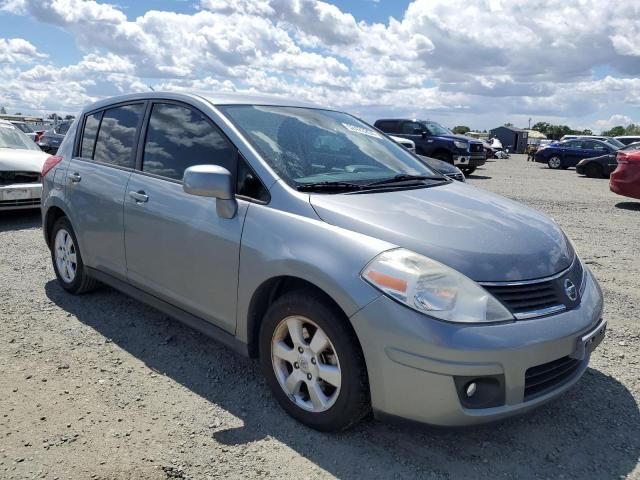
(359, 278)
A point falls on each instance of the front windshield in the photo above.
(63, 128)
(11, 137)
(436, 129)
(24, 127)
(614, 142)
(310, 146)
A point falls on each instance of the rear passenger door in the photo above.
(177, 246)
(573, 153)
(96, 183)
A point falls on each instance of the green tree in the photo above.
(69, 117)
(461, 129)
(615, 131)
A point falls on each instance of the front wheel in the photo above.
(554, 162)
(468, 170)
(313, 362)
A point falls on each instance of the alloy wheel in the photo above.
(306, 364)
(65, 251)
(555, 162)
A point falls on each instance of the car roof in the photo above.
(5, 122)
(214, 99)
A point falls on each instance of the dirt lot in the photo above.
(100, 386)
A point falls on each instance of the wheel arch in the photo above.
(267, 293)
(52, 214)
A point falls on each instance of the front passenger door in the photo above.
(177, 247)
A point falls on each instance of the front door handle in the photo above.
(75, 177)
(139, 196)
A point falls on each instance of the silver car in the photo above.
(361, 280)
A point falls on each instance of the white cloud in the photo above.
(18, 50)
(455, 59)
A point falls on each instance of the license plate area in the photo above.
(15, 194)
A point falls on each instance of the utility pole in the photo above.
(529, 123)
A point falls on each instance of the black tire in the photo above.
(468, 170)
(81, 282)
(593, 170)
(444, 156)
(353, 401)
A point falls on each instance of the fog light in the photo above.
(471, 389)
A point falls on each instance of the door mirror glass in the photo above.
(212, 181)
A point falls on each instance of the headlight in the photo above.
(462, 145)
(432, 288)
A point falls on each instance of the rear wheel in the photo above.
(554, 162)
(313, 362)
(67, 260)
(593, 170)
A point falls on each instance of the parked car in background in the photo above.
(625, 179)
(26, 129)
(21, 163)
(575, 137)
(569, 153)
(361, 279)
(601, 167)
(405, 142)
(445, 168)
(52, 138)
(627, 139)
(435, 141)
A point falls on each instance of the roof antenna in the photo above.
(151, 88)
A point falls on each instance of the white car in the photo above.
(405, 142)
(21, 162)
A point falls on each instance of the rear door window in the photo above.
(89, 134)
(179, 137)
(116, 143)
(411, 128)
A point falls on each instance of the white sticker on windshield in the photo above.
(362, 130)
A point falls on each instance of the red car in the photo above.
(625, 179)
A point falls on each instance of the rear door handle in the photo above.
(139, 196)
(75, 177)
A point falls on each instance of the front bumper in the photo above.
(414, 362)
(469, 160)
(20, 196)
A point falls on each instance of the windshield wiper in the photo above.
(333, 186)
(402, 178)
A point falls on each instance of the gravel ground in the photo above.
(101, 386)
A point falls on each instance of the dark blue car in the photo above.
(568, 153)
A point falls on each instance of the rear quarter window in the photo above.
(116, 142)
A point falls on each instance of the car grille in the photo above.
(27, 202)
(11, 178)
(476, 147)
(539, 297)
(548, 376)
(456, 176)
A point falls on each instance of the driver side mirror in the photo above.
(212, 181)
(418, 131)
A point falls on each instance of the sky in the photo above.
(480, 63)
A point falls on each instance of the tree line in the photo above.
(556, 132)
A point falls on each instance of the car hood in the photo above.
(480, 234)
(21, 160)
(459, 138)
(439, 165)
